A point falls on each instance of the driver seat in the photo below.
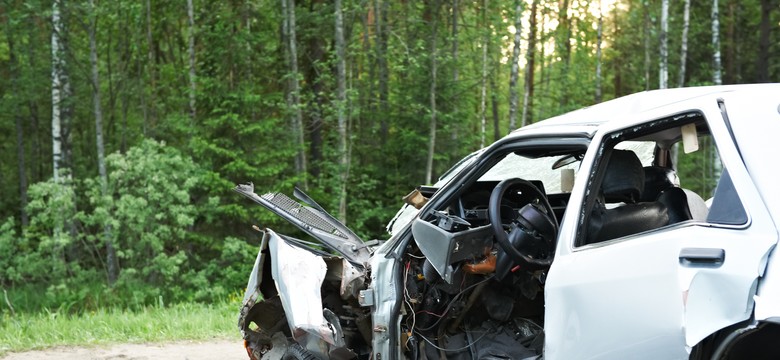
(618, 210)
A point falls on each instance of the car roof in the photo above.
(587, 119)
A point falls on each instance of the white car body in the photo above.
(701, 287)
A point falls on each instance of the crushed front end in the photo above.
(302, 303)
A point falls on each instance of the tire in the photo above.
(297, 352)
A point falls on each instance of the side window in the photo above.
(684, 181)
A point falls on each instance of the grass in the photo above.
(187, 321)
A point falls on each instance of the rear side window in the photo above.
(726, 208)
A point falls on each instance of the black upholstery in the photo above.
(657, 180)
(676, 202)
(624, 181)
(663, 185)
(606, 224)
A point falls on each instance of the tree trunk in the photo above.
(646, 36)
(151, 112)
(60, 95)
(564, 49)
(663, 59)
(293, 93)
(617, 80)
(191, 51)
(432, 133)
(494, 107)
(111, 261)
(455, 74)
(341, 102)
(762, 61)
(513, 75)
(313, 78)
(15, 72)
(598, 54)
(716, 67)
(542, 56)
(381, 57)
(730, 46)
(483, 87)
(684, 43)
(528, 98)
(39, 157)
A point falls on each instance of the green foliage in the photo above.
(178, 229)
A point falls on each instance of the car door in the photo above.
(656, 294)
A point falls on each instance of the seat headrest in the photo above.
(658, 179)
(624, 179)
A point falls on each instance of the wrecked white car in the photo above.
(572, 238)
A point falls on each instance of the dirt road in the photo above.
(195, 350)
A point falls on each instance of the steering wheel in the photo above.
(531, 240)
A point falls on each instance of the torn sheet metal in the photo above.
(298, 275)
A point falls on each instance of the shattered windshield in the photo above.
(541, 169)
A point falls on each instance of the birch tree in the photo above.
(293, 91)
(111, 262)
(60, 93)
(684, 43)
(483, 92)
(341, 102)
(191, 53)
(432, 132)
(455, 73)
(528, 97)
(663, 58)
(380, 7)
(646, 40)
(513, 75)
(598, 54)
(15, 73)
(564, 49)
(716, 66)
(762, 60)
(150, 109)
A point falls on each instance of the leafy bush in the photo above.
(148, 214)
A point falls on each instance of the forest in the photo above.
(126, 124)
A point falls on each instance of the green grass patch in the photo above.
(186, 321)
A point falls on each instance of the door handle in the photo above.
(702, 257)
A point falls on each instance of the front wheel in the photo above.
(297, 352)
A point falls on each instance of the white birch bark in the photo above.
(684, 43)
(716, 66)
(663, 60)
(293, 94)
(341, 103)
(529, 66)
(57, 69)
(513, 75)
(111, 263)
(432, 132)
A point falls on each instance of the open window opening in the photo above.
(683, 182)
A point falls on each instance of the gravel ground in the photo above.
(194, 350)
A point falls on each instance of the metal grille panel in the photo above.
(298, 211)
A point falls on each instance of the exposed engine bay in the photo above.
(468, 298)
(471, 298)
